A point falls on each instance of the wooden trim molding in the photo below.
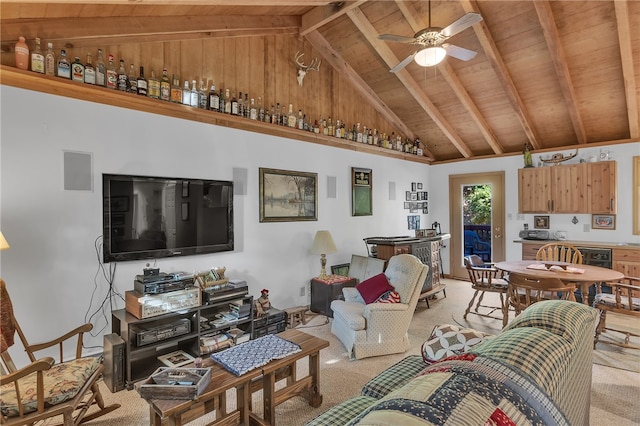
(636, 195)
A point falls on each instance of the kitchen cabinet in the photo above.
(571, 188)
(603, 187)
(627, 261)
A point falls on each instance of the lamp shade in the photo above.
(430, 56)
(3, 242)
(323, 243)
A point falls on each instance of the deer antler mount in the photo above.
(303, 69)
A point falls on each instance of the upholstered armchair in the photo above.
(373, 329)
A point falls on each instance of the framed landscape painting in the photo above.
(288, 196)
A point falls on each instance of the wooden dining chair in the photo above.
(485, 278)
(624, 299)
(43, 389)
(560, 252)
(523, 291)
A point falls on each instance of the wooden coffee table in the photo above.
(178, 412)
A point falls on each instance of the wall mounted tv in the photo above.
(151, 217)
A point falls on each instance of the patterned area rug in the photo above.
(616, 356)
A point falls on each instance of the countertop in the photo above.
(596, 244)
(392, 241)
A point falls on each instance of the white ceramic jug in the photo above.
(561, 235)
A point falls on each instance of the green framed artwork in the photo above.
(361, 197)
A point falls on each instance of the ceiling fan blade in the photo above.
(459, 52)
(404, 63)
(461, 24)
(393, 37)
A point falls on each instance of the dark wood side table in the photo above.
(323, 292)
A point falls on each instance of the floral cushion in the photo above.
(61, 383)
(447, 340)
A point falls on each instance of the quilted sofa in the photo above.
(536, 371)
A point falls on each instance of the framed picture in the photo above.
(414, 186)
(407, 205)
(603, 221)
(414, 196)
(288, 196)
(541, 222)
(361, 196)
(413, 222)
(419, 185)
(176, 359)
(407, 195)
(342, 269)
(185, 188)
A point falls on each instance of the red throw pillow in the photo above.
(373, 288)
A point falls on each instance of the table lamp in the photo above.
(322, 245)
(3, 242)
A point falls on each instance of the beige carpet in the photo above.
(615, 392)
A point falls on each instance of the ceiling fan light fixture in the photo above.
(430, 56)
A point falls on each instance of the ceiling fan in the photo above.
(432, 41)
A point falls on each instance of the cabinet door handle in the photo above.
(611, 205)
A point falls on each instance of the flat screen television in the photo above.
(152, 217)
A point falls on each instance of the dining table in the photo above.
(584, 276)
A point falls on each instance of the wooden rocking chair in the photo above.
(44, 389)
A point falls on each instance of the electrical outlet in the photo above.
(586, 227)
(303, 290)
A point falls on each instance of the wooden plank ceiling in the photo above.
(555, 74)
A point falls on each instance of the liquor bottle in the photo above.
(89, 71)
(64, 67)
(221, 101)
(112, 74)
(153, 86)
(37, 58)
(186, 93)
(234, 105)
(241, 106)
(261, 112)
(275, 118)
(214, 99)
(330, 129)
(316, 127)
(22, 54)
(253, 111)
(246, 105)
(101, 71)
(267, 115)
(165, 86)
(227, 102)
(300, 120)
(133, 79)
(203, 97)
(291, 117)
(358, 133)
(370, 137)
(176, 91)
(193, 96)
(337, 129)
(50, 61)
(143, 84)
(123, 79)
(77, 70)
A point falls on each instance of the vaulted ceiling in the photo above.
(558, 75)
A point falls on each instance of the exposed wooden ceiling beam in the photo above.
(152, 28)
(628, 71)
(417, 24)
(267, 3)
(370, 33)
(322, 15)
(491, 50)
(334, 58)
(550, 31)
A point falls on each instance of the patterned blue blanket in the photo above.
(254, 353)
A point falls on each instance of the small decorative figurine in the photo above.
(528, 161)
(262, 304)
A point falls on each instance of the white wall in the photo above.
(52, 269)
(622, 154)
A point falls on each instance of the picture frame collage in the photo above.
(416, 200)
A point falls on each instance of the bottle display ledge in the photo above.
(62, 87)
